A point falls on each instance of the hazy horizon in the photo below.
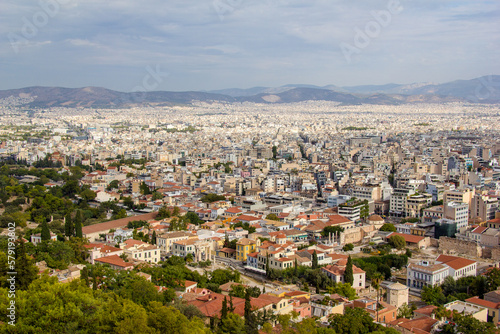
(222, 44)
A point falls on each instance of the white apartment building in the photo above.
(336, 200)
(397, 206)
(458, 212)
(427, 274)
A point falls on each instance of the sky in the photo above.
(181, 45)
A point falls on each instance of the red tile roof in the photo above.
(115, 260)
(455, 262)
(409, 238)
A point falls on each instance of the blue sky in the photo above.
(214, 44)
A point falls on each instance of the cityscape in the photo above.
(250, 167)
(293, 213)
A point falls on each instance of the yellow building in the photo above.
(244, 247)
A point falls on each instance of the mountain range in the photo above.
(480, 90)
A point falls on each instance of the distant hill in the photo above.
(480, 90)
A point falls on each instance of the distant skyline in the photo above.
(128, 46)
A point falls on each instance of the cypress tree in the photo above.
(348, 273)
(223, 312)
(249, 325)
(153, 238)
(85, 275)
(231, 306)
(69, 229)
(315, 260)
(267, 265)
(78, 224)
(45, 235)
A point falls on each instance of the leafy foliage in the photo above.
(388, 227)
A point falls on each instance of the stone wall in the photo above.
(495, 253)
(459, 247)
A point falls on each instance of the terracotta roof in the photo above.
(296, 293)
(116, 223)
(115, 260)
(409, 238)
(455, 262)
(426, 310)
(338, 219)
(481, 302)
(375, 218)
(420, 325)
(234, 210)
(247, 218)
(188, 284)
(479, 229)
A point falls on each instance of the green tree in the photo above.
(88, 195)
(406, 311)
(272, 216)
(433, 295)
(157, 196)
(348, 247)
(344, 289)
(397, 241)
(153, 238)
(314, 260)
(365, 210)
(25, 268)
(144, 189)
(233, 324)
(250, 323)
(333, 230)
(348, 273)
(275, 151)
(69, 229)
(353, 321)
(210, 198)
(129, 203)
(193, 218)
(493, 279)
(78, 224)
(45, 235)
(375, 283)
(170, 320)
(112, 185)
(122, 213)
(223, 312)
(163, 213)
(388, 227)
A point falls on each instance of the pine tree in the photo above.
(26, 271)
(348, 273)
(315, 260)
(45, 235)
(78, 224)
(69, 229)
